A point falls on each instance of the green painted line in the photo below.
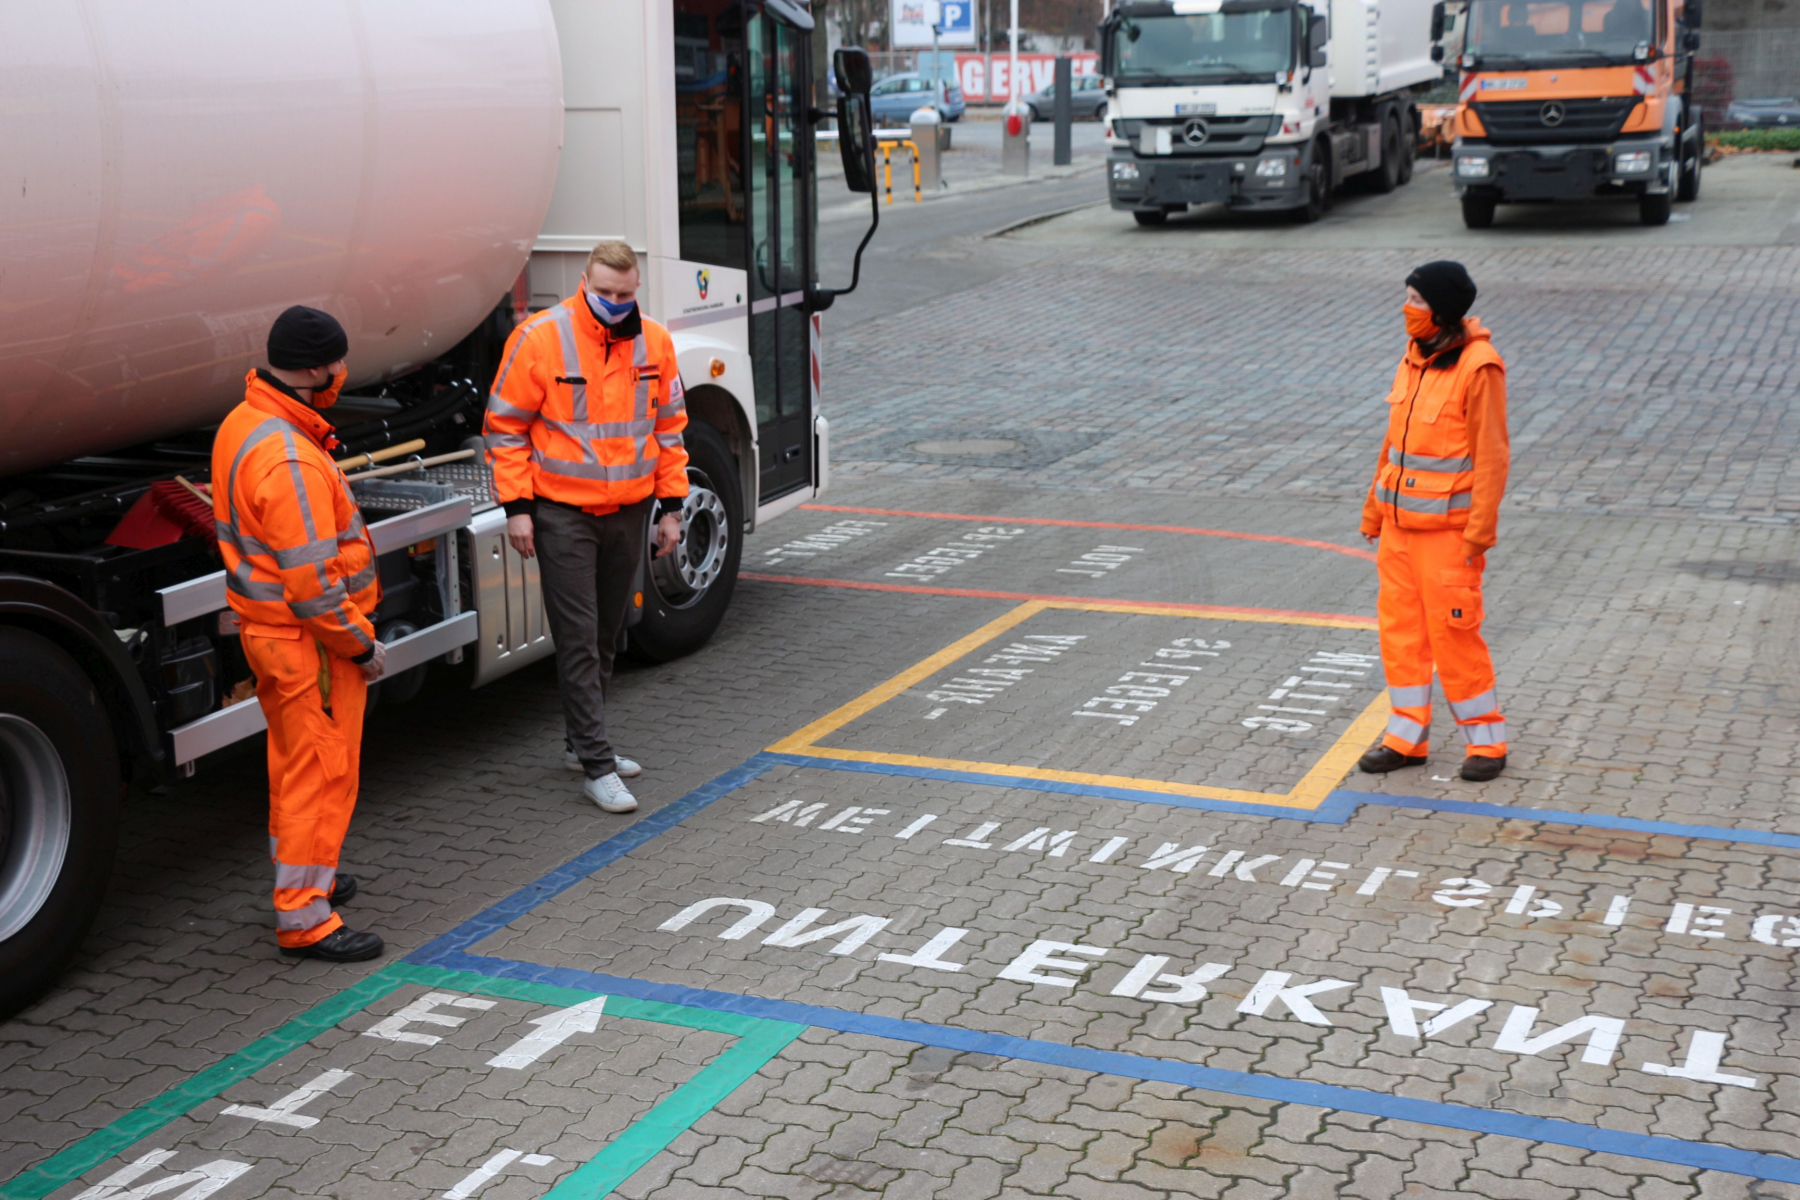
(102, 1144)
(651, 1133)
(758, 1040)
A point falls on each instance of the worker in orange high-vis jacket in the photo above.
(300, 575)
(1435, 507)
(584, 435)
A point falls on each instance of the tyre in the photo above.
(59, 812)
(1688, 189)
(1386, 177)
(1149, 216)
(690, 588)
(1031, 114)
(1478, 211)
(1409, 147)
(1655, 210)
(1318, 189)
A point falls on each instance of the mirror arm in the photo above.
(821, 298)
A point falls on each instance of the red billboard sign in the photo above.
(984, 77)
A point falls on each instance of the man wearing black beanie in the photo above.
(300, 575)
(1434, 506)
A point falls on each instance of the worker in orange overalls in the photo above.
(583, 431)
(300, 575)
(1435, 507)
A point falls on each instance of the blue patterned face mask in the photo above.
(605, 310)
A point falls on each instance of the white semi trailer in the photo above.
(177, 172)
(1262, 105)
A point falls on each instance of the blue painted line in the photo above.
(1697, 1155)
(1338, 807)
(450, 951)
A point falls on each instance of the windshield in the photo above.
(1561, 32)
(1223, 47)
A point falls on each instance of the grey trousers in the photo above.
(589, 566)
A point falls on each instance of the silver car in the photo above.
(1087, 99)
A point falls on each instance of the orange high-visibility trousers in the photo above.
(314, 757)
(1430, 616)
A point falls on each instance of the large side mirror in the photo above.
(1318, 33)
(1690, 14)
(1437, 54)
(856, 127)
(1437, 21)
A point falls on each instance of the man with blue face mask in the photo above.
(583, 432)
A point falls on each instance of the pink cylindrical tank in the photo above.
(174, 173)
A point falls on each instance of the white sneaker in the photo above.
(627, 768)
(611, 794)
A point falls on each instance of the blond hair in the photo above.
(615, 254)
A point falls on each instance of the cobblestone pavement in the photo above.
(1004, 842)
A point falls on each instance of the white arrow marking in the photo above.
(285, 1111)
(552, 1031)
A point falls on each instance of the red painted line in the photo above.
(1352, 551)
(915, 589)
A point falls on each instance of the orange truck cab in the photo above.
(1577, 100)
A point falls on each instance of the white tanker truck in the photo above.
(177, 172)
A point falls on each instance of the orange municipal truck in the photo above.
(1577, 100)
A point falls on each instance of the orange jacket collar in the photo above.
(1473, 331)
(269, 395)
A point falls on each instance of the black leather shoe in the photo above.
(343, 890)
(340, 945)
(1381, 760)
(1479, 768)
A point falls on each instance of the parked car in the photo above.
(1770, 113)
(897, 97)
(1087, 97)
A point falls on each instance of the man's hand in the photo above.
(668, 532)
(519, 533)
(1371, 538)
(377, 664)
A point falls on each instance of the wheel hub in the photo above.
(35, 809)
(697, 561)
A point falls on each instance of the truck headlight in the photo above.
(1472, 166)
(1271, 168)
(1126, 172)
(1634, 162)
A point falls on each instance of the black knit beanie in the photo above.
(1447, 288)
(304, 337)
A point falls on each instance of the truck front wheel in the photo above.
(690, 587)
(1478, 211)
(1386, 177)
(59, 802)
(1317, 182)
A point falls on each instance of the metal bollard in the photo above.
(925, 126)
(887, 169)
(1015, 139)
(1063, 112)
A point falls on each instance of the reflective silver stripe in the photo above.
(312, 552)
(624, 471)
(497, 407)
(243, 543)
(523, 336)
(495, 441)
(674, 408)
(1419, 462)
(1424, 504)
(640, 358)
(274, 845)
(299, 481)
(581, 430)
(250, 442)
(1410, 697)
(254, 589)
(571, 356)
(668, 441)
(362, 578)
(1404, 727)
(311, 916)
(319, 605)
(355, 529)
(287, 875)
(1475, 706)
(1492, 734)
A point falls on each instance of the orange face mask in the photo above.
(1419, 323)
(327, 396)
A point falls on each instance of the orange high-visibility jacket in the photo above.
(1445, 457)
(295, 550)
(583, 417)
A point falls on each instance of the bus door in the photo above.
(779, 176)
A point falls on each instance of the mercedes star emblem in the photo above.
(1552, 114)
(1194, 133)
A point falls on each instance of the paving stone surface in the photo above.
(1642, 615)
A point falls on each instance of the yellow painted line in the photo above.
(799, 743)
(1309, 793)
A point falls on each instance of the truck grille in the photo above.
(1538, 122)
(1222, 135)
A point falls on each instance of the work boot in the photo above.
(1479, 768)
(627, 768)
(342, 944)
(1380, 760)
(611, 794)
(343, 890)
